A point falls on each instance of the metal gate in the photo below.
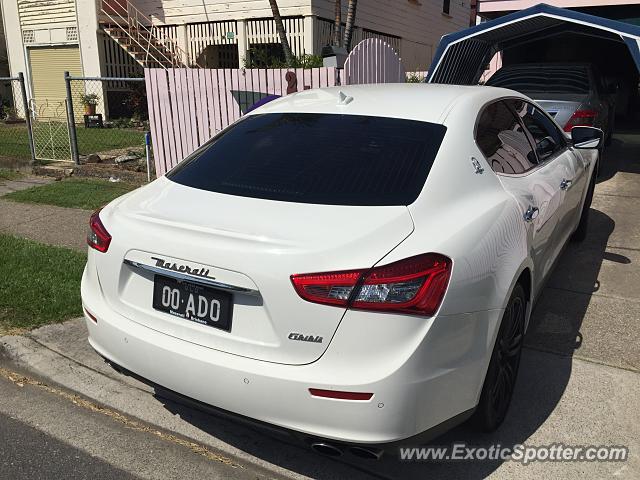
(50, 131)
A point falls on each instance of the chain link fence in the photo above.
(15, 140)
(108, 119)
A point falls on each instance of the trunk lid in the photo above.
(248, 243)
(561, 107)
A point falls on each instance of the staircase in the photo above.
(134, 32)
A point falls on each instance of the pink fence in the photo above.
(189, 106)
(373, 61)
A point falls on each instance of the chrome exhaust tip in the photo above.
(326, 449)
(366, 453)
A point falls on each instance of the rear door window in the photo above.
(502, 140)
(317, 158)
(549, 141)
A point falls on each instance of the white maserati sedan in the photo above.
(355, 264)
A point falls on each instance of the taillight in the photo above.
(98, 237)
(581, 118)
(91, 316)
(415, 285)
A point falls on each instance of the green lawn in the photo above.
(88, 194)
(39, 284)
(93, 140)
(8, 174)
(14, 140)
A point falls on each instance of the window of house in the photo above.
(503, 142)
(446, 6)
(264, 55)
(28, 36)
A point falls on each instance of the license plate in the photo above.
(193, 302)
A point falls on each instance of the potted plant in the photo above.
(89, 101)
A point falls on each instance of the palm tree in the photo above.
(337, 25)
(288, 54)
(351, 18)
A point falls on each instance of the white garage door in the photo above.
(48, 65)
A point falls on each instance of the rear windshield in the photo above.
(542, 79)
(316, 158)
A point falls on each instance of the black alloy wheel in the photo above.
(503, 367)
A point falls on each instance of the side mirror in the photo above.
(587, 137)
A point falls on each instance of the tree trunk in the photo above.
(288, 54)
(337, 24)
(351, 18)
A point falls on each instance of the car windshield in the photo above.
(329, 159)
(542, 79)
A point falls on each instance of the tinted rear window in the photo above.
(316, 158)
(542, 79)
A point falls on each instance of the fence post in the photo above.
(71, 121)
(27, 117)
(147, 148)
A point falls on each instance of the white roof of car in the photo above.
(416, 101)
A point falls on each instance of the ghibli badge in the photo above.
(304, 338)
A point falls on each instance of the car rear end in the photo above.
(252, 278)
(567, 92)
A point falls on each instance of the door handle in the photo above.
(565, 184)
(531, 213)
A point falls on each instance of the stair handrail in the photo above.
(133, 19)
(128, 32)
(134, 15)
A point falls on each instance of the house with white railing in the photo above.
(117, 38)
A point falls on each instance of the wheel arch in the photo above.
(524, 276)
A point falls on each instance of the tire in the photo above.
(502, 373)
(609, 137)
(581, 232)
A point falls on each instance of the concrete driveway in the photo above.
(579, 382)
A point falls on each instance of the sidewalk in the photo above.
(8, 186)
(65, 227)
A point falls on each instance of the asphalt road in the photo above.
(49, 433)
(29, 454)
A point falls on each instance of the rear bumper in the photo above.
(438, 380)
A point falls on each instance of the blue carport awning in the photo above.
(462, 56)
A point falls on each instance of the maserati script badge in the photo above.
(176, 267)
